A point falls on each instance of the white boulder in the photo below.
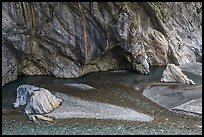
(37, 101)
(173, 73)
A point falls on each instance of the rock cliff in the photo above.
(67, 40)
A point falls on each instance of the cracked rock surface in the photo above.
(68, 40)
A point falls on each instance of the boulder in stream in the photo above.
(173, 73)
(38, 101)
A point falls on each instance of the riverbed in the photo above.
(120, 88)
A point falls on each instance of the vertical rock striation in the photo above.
(67, 40)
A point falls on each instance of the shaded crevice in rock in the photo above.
(152, 10)
(29, 65)
(115, 58)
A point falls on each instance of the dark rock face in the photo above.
(71, 39)
(9, 65)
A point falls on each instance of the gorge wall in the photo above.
(67, 40)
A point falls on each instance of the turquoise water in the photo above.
(117, 88)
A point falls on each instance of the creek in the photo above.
(121, 88)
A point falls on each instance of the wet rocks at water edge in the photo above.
(139, 58)
(38, 101)
(173, 73)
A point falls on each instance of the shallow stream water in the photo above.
(122, 88)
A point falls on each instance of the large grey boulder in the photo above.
(173, 73)
(37, 100)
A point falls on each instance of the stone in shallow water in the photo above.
(43, 118)
(173, 73)
(37, 101)
(73, 107)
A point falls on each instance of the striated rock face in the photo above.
(9, 65)
(37, 101)
(71, 39)
(173, 73)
